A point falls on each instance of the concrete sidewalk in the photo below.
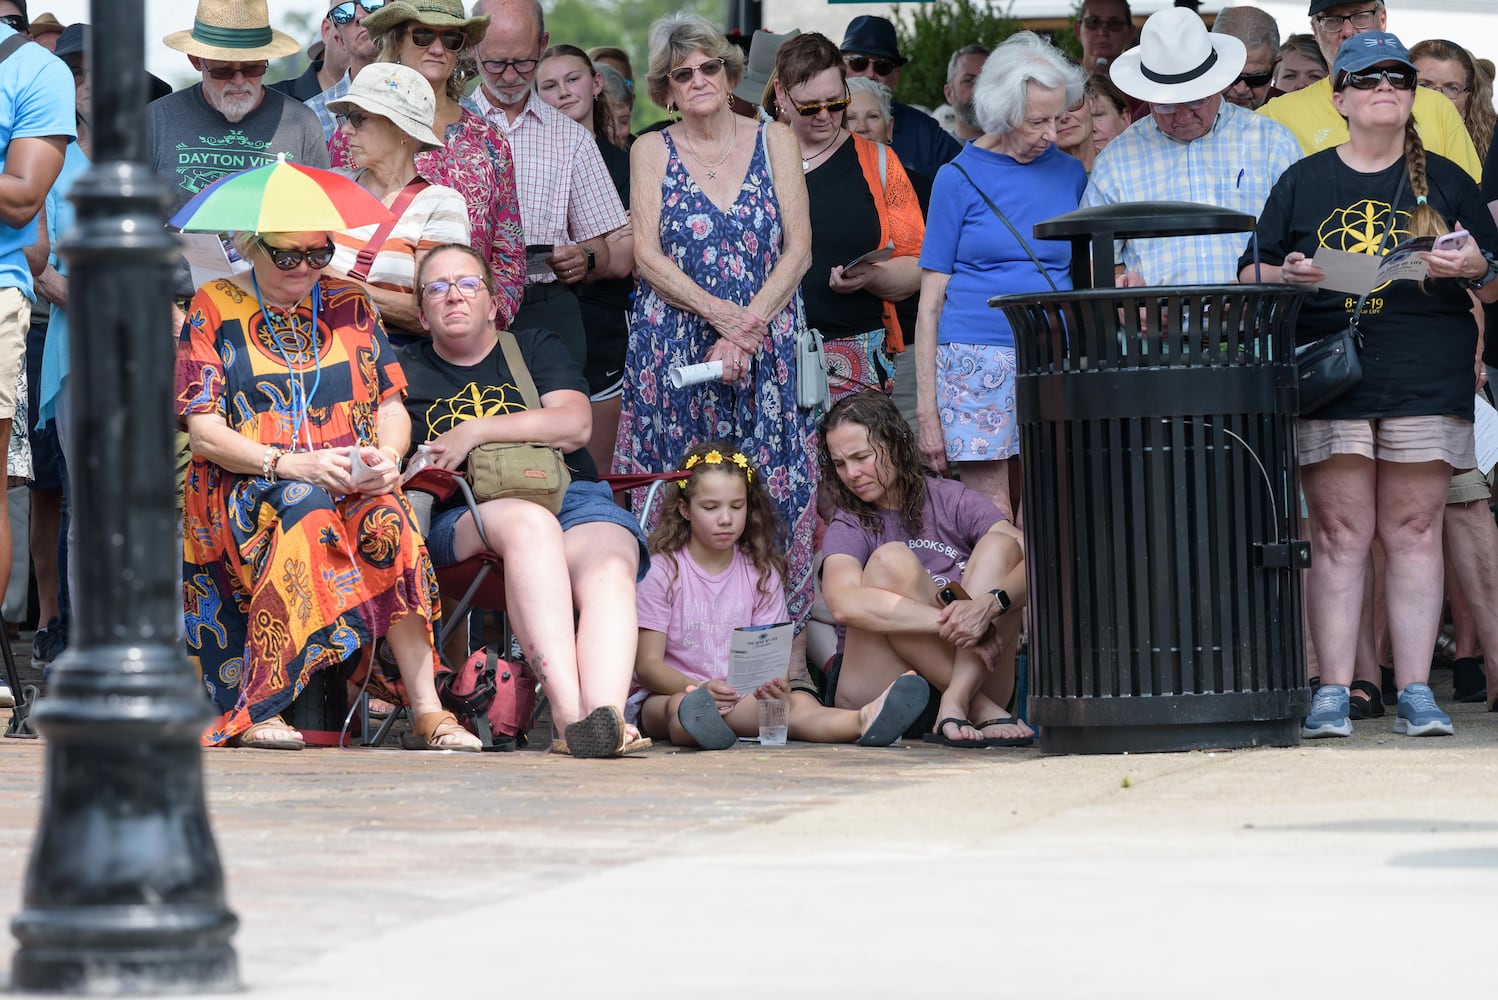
(1366, 866)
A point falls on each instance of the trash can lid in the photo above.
(1140, 219)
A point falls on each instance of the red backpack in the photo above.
(494, 698)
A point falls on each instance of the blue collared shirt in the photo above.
(1233, 166)
(319, 106)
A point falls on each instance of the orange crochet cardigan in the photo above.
(899, 217)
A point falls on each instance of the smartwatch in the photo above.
(592, 258)
(1482, 280)
(1002, 598)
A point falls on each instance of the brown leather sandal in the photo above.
(429, 730)
(269, 734)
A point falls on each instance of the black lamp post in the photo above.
(124, 893)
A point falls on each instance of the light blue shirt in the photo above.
(1234, 166)
(319, 106)
(60, 213)
(36, 99)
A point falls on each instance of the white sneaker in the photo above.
(7, 699)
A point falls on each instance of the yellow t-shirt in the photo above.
(1310, 114)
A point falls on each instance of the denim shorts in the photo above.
(585, 503)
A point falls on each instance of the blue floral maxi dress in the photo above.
(729, 254)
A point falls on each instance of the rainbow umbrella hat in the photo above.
(281, 197)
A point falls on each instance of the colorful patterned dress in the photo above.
(730, 254)
(476, 162)
(281, 579)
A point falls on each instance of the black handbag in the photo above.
(1330, 367)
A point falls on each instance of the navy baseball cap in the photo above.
(1370, 48)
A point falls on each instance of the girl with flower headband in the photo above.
(721, 568)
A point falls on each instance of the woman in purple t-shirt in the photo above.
(899, 540)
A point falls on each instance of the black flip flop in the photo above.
(940, 737)
(1365, 701)
(903, 705)
(1003, 741)
(699, 716)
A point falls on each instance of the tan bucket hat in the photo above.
(233, 31)
(434, 13)
(396, 92)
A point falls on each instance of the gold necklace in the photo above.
(712, 168)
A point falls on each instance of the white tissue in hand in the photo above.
(364, 477)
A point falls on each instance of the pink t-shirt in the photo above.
(698, 612)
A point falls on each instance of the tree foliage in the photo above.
(934, 32)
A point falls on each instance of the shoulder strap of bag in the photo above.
(764, 143)
(1005, 220)
(366, 258)
(521, 374)
(8, 48)
(1383, 243)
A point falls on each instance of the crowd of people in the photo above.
(546, 277)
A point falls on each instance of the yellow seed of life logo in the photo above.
(1360, 228)
(470, 402)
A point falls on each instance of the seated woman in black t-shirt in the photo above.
(461, 394)
(1377, 460)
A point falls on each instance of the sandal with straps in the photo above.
(269, 734)
(430, 730)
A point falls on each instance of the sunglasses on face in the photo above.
(344, 13)
(250, 71)
(17, 23)
(356, 119)
(452, 41)
(290, 260)
(1111, 24)
(520, 66)
(709, 68)
(858, 64)
(1399, 79)
(812, 110)
(1253, 80)
(468, 286)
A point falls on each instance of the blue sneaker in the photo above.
(1418, 714)
(1329, 714)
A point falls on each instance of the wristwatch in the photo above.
(1002, 598)
(592, 258)
(1482, 280)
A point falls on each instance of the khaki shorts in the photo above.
(15, 320)
(1389, 439)
(1471, 486)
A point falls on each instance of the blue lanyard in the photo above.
(295, 387)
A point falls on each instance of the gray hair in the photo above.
(676, 36)
(483, 7)
(615, 87)
(880, 93)
(1250, 25)
(967, 50)
(1002, 90)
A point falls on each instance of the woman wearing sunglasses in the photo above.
(1377, 461)
(721, 237)
(472, 157)
(299, 550)
(860, 201)
(386, 118)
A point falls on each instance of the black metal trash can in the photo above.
(1161, 506)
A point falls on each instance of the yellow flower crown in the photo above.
(715, 457)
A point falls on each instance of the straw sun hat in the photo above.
(233, 31)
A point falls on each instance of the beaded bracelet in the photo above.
(269, 461)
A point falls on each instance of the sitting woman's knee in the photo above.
(891, 567)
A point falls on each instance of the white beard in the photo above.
(235, 107)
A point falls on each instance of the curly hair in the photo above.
(894, 445)
(764, 537)
(1479, 117)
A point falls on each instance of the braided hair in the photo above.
(1425, 221)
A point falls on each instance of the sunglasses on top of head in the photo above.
(344, 13)
(884, 67)
(682, 75)
(17, 23)
(250, 71)
(1399, 79)
(289, 260)
(452, 40)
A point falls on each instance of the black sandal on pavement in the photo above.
(1364, 701)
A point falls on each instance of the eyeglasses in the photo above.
(1451, 90)
(17, 22)
(520, 66)
(356, 119)
(344, 13)
(452, 41)
(1399, 79)
(1170, 109)
(1113, 25)
(1254, 80)
(468, 286)
(289, 260)
(709, 68)
(831, 107)
(1361, 20)
(250, 71)
(882, 67)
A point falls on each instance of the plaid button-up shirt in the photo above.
(319, 106)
